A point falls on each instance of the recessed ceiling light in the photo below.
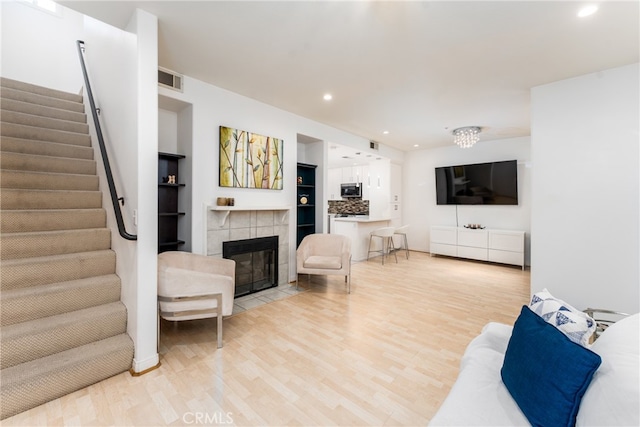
(416, 145)
(386, 132)
(587, 10)
(327, 97)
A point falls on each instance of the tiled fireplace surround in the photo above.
(229, 225)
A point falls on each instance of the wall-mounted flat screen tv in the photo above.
(494, 183)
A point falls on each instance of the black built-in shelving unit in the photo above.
(168, 196)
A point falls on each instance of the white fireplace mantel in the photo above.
(222, 212)
(249, 208)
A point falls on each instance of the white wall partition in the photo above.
(111, 56)
(122, 66)
(419, 208)
(585, 217)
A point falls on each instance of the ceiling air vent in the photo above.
(170, 79)
(373, 145)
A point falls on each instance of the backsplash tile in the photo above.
(349, 206)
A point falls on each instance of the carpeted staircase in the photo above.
(62, 325)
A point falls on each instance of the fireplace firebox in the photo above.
(256, 263)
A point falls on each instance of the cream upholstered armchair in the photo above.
(325, 254)
(192, 286)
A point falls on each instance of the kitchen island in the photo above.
(358, 229)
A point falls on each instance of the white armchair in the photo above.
(325, 254)
(192, 286)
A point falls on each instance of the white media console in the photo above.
(503, 246)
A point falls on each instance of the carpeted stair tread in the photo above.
(47, 101)
(41, 110)
(43, 243)
(12, 199)
(26, 272)
(27, 341)
(35, 302)
(20, 179)
(33, 383)
(33, 132)
(6, 82)
(43, 122)
(44, 148)
(16, 221)
(63, 324)
(19, 161)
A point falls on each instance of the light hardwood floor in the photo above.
(387, 354)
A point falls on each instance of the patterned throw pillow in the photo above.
(575, 324)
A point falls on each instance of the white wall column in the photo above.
(145, 26)
(585, 221)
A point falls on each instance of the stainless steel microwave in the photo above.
(352, 189)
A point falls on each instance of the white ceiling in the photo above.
(414, 69)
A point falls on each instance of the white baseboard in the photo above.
(143, 365)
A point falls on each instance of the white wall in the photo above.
(112, 67)
(39, 47)
(167, 131)
(419, 208)
(185, 146)
(585, 189)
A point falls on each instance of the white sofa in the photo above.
(480, 398)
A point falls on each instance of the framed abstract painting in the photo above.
(250, 160)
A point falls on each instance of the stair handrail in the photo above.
(103, 150)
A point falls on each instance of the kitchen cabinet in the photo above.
(366, 182)
(395, 184)
(379, 189)
(352, 174)
(334, 181)
(338, 176)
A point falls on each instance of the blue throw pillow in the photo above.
(546, 373)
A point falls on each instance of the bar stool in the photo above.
(402, 232)
(386, 234)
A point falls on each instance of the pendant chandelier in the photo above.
(466, 136)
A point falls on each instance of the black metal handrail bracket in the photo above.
(103, 150)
